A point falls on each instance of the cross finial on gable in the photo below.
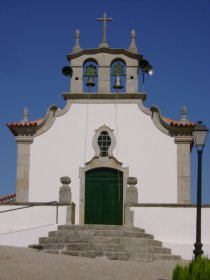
(104, 43)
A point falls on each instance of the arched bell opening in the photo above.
(90, 76)
(118, 76)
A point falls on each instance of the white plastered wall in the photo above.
(150, 155)
(23, 227)
(175, 227)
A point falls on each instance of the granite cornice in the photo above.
(23, 131)
(167, 128)
(52, 113)
(157, 120)
(24, 139)
(104, 50)
(28, 128)
(144, 109)
(115, 97)
(183, 139)
(47, 121)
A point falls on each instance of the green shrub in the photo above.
(181, 273)
(198, 269)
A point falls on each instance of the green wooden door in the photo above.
(104, 196)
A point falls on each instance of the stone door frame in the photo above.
(94, 164)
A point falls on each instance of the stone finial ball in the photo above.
(133, 33)
(65, 180)
(132, 181)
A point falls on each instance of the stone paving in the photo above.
(27, 264)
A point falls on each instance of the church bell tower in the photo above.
(105, 70)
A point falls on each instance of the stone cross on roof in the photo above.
(104, 43)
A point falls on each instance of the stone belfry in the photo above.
(97, 66)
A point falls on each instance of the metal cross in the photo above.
(104, 19)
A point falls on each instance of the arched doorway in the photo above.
(104, 196)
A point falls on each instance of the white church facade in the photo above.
(126, 163)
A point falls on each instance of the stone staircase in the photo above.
(111, 241)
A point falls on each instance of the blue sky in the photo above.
(36, 36)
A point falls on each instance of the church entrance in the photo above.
(104, 196)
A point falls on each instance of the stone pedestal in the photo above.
(23, 167)
(65, 198)
(131, 197)
(132, 192)
(129, 217)
(65, 190)
(183, 168)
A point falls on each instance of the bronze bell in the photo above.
(90, 82)
(117, 83)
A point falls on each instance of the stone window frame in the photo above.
(95, 142)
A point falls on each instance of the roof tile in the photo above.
(179, 123)
(8, 198)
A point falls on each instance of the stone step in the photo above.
(130, 256)
(154, 242)
(95, 247)
(166, 257)
(100, 227)
(99, 233)
(99, 240)
(138, 248)
(113, 242)
(100, 247)
(64, 239)
(127, 256)
(38, 247)
(161, 250)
